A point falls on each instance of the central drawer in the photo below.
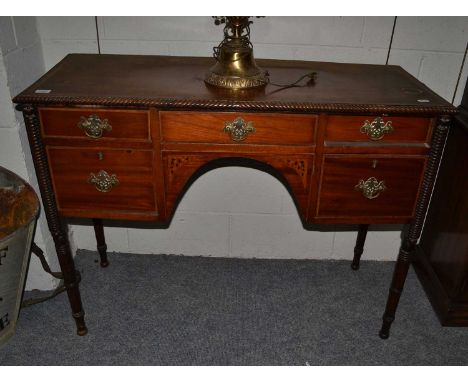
(102, 181)
(228, 128)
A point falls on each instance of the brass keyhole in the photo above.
(100, 155)
(374, 163)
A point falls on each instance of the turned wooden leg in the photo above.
(359, 248)
(408, 245)
(398, 281)
(101, 242)
(57, 227)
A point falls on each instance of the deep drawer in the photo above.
(256, 128)
(81, 184)
(369, 186)
(95, 124)
(378, 129)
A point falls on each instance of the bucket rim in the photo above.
(34, 214)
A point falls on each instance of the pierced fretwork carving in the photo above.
(300, 166)
(175, 162)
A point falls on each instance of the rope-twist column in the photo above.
(410, 239)
(56, 226)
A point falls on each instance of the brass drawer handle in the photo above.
(103, 181)
(371, 188)
(239, 129)
(94, 126)
(376, 129)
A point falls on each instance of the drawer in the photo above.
(378, 129)
(95, 124)
(122, 180)
(369, 186)
(255, 128)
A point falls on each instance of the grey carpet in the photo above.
(174, 310)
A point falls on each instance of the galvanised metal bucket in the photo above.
(19, 208)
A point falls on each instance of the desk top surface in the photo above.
(177, 82)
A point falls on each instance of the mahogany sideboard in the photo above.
(122, 137)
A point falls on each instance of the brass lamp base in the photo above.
(235, 82)
(235, 67)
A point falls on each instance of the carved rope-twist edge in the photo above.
(435, 155)
(236, 105)
(42, 170)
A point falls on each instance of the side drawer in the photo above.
(377, 129)
(258, 128)
(95, 124)
(369, 186)
(100, 181)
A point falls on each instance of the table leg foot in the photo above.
(384, 334)
(81, 328)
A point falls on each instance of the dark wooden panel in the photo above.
(287, 129)
(442, 263)
(338, 196)
(445, 236)
(126, 124)
(405, 129)
(449, 311)
(71, 168)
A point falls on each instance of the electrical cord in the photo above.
(312, 76)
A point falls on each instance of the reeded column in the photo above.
(408, 245)
(57, 227)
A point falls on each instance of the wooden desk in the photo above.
(122, 137)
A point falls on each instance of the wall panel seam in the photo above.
(460, 74)
(391, 40)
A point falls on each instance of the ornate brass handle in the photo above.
(103, 181)
(376, 129)
(239, 129)
(371, 188)
(94, 126)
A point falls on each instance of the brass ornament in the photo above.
(377, 129)
(239, 129)
(235, 67)
(371, 188)
(103, 181)
(94, 126)
(234, 82)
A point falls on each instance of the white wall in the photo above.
(259, 219)
(432, 50)
(21, 63)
